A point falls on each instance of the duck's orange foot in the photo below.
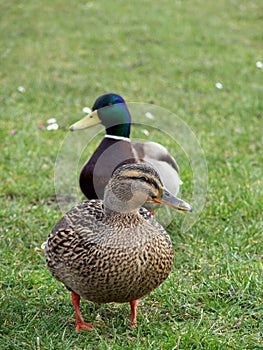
(80, 324)
(133, 324)
(133, 305)
(84, 325)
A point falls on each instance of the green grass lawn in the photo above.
(170, 53)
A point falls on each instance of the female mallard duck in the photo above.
(114, 250)
(116, 148)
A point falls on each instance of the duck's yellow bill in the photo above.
(90, 120)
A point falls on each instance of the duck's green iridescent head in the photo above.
(111, 111)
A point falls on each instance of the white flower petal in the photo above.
(149, 115)
(52, 127)
(21, 89)
(259, 65)
(86, 110)
(219, 85)
(51, 120)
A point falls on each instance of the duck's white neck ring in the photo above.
(118, 137)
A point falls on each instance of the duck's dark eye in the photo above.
(140, 178)
(143, 178)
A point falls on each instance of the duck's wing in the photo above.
(71, 237)
(159, 157)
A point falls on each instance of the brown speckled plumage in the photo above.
(106, 260)
(109, 251)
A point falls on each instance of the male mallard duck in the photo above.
(116, 148)
(114, 250)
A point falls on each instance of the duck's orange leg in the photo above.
(80, 324)
(133, 305)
